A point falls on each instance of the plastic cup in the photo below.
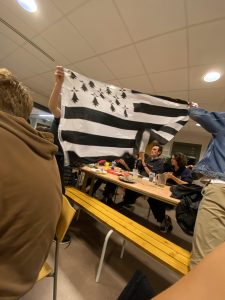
(135, 173)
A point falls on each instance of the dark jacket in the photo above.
(186, 210)
(155, 165)
(183, 174)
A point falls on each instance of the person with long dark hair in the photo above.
(179, 175)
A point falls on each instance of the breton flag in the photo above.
(100, 121)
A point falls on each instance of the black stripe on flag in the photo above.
(159, 110)
(106, 119)
(181, 122)
(81, 138)
(169, 130)
(179, 101)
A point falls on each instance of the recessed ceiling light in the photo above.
(211, 76)
(198, 125)
(29, 5)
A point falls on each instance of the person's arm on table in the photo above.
(175, 179)
(147, 169)
(123, 163)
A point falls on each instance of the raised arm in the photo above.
(54, 100)
(212, 122)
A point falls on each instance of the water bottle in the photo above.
(135, 164)
(152, 177)
(113, 165)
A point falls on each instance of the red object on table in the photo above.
(118, 173)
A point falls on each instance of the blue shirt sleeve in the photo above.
(212, 122)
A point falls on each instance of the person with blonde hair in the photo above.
(15, 99)
(30, 192)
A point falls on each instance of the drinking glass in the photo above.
(135, 173)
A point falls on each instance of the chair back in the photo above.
(66, 217)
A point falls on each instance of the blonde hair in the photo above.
(14, 97)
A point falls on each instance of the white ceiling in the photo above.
(156, 46)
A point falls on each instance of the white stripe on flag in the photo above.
(96, 128)
(89, 151)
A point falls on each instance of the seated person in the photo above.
(125, 163)
(146, 165)
(30, 192)
(180, 175)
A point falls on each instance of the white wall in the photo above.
(188, 137)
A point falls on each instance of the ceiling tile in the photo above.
(222, 106)
(7, 46)
(73, 67)
(36, 111)
(148, 18)
(13, 20)
(205, 10)
(10, 34)
(23, 64)
(46, 47)
(190, 131)
(170, 81)
(99, 22)
(165, 52)
(207, 43)
(124, 62)
(42, 83)
(196, 76)
(46, 14)
(114, 82)
(138, 83)
(209, 99)
(67, 41)
(67, 6)
(39, 98)
(94, 68)
(183, 95)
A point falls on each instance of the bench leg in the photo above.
(123, 248)
(103, 254)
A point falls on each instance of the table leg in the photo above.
(92, 185)
(84, 185)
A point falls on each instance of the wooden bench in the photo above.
(153, 244)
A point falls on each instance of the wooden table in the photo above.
(142, 186)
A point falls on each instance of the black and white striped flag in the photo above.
(100, 121)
